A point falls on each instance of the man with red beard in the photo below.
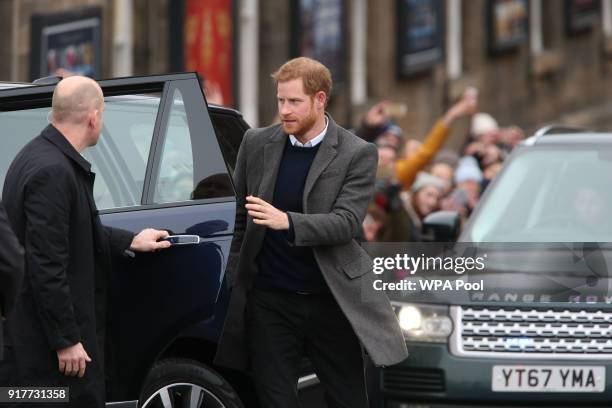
(302, 286)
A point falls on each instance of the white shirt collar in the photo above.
(312, 142)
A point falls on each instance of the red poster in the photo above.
(209, 44)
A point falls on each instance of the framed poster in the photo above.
(318, 32)
(209, 44)
(420, 35)
(507, 23)
(70, 40)
(581, 15)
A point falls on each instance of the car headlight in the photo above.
(421, 322)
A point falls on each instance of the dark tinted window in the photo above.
(230, 130)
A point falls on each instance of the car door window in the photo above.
(175, 181)
(120, 157)
(146, 154)
(191, 164)
(19, 127)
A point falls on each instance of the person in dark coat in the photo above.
(11, 268)
(56, 330)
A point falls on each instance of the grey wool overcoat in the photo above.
(338, 189)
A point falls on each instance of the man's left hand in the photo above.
(266, 214)
(147, 241)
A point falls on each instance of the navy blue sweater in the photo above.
(282, 266)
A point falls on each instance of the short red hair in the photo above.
(315, 76)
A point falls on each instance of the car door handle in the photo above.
(182, 239)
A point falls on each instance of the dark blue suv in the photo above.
(164, 160)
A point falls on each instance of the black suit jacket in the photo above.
(11, 268)
(48, 196)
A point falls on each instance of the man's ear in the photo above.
(91, 119)
(321, 98)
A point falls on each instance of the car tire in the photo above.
(173, 382)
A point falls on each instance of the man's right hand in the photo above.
(72, 360)
(148, 240)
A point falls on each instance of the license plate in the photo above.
(532, 378)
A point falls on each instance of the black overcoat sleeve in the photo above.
(11, 264)
(119, 241)
(48, 198)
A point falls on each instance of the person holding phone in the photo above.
(407, 167)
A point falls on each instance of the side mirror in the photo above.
(441, 226)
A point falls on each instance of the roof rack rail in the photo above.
(48, 80)
(556, 129)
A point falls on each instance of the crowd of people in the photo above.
(416, 178)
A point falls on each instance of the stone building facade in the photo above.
(569, 80)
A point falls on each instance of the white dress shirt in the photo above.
(312, 142)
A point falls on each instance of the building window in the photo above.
(420, 25)
(507, 25)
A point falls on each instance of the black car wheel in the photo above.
(186, 383)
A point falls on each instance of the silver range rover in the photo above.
(540, 332)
